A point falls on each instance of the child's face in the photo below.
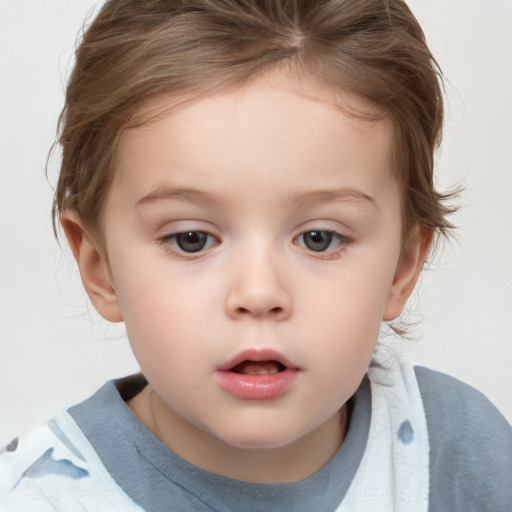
(259, 223)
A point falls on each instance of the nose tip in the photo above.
(259, 295)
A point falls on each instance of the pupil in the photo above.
(317, 240)
(193, 241)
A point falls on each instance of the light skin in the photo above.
(294, 246)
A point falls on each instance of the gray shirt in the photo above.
(470, 456)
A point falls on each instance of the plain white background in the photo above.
(54, 350)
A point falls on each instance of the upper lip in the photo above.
(254, 354)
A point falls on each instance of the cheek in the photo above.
(347, 310)
(354, 296)
(162, 313)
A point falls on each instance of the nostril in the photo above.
(273, 311)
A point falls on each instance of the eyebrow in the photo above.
(320, 197)
(190, 195)
(302, 199)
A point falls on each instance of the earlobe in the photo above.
(93, 266)
(407, 272)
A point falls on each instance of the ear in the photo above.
(407, 272)
(93, 265)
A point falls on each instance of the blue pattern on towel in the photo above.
(46, 465)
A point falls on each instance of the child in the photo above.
(248, 185)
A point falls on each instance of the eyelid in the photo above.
(169, 242)
(335, 234)
(343, 240)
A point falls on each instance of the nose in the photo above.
(257, 290)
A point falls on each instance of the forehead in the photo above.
(273, 130)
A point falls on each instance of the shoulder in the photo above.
(470, 446)
(53, 467)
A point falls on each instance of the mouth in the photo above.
(257, 375)
(258, 362)
(248, 367)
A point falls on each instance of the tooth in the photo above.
(258, 368)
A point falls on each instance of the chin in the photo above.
(262, 438)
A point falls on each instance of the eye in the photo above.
(190, 241)
(321, 240)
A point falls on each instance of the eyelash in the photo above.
(172, 242)
(333, 236)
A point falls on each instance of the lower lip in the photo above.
(256, 387)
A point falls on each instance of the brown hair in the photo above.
(137, 50)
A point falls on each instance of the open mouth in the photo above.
(263, 374)
(248, 367)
